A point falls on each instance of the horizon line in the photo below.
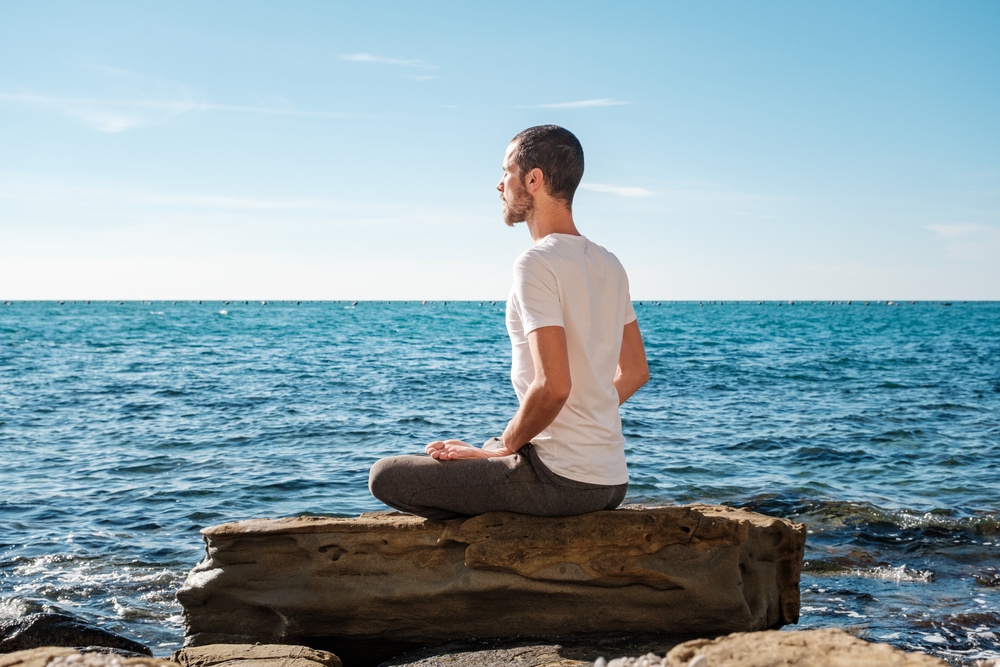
(862, 301)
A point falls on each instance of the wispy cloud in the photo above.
(964, 232)
(621, 191)
(369, 58)
(110, 115)
(969, 241)
(578, 104)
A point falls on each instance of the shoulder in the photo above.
(533, 260)
(608, 259)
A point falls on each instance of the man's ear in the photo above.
(534, 180)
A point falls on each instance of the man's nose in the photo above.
(500, 186)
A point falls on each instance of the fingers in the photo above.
(443, 449)
(451, 450)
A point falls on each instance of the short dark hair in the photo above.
(554, 150)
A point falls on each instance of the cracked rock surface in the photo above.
(378, 585)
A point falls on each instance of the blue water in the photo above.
(125, 428)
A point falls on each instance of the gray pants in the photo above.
(520, 483)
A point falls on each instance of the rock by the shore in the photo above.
(48, 629)
(60, 656)
(829, 647)
(206, 656)
(802, 648)
(375, 586)
(254, 655)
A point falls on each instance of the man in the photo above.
(577, 356)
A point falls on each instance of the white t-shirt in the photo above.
(569, 282)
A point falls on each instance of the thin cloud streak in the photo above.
(621, 191)
(369, 58)
(111, 116)
(578, 104)
(965, 232)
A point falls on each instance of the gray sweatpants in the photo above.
(520, 483)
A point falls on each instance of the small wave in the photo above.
(898, 574)
(11, 608)
(833, 514)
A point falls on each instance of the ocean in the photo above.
(126, 427)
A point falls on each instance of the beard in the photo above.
(519, 208)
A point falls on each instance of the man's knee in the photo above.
(378, 478)
(386, 479)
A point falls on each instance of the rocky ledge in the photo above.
(205, 656)
(828, 647)
(375, 586)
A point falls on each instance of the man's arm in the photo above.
(544, 399)
(633, 371)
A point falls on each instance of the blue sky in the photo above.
(735, 150)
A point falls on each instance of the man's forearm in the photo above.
(540, 407)
(627, 385)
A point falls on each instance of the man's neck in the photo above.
(551, 217)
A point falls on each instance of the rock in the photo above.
(381, 584)
(254, 655)
(37, 657)
(805, 648)
(578, 651)
(45, 629)
(52, 656)
(108, 650)
(648, 660)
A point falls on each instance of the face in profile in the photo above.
(517, 201)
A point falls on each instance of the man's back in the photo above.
(571, 282)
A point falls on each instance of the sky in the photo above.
(333, 150)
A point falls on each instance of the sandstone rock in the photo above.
(806, 648)
(375, 586)
(576, 651)
(37, 657)
(259, 655)
(35, 630)
(52, 656)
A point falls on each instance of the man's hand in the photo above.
(453, 450)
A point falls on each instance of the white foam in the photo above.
(11, 608)
(898, 574)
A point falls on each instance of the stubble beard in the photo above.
(519, 208)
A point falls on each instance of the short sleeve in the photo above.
(629, 312)
(536, 290)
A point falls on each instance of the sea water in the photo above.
(126, 427)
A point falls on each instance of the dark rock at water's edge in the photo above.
(381, 585)
(49, 629)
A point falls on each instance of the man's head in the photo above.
(548, 155)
